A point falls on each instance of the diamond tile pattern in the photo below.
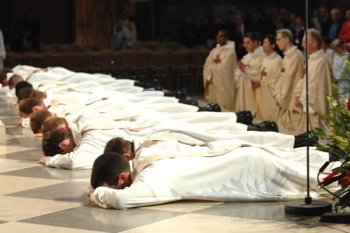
(38, 199)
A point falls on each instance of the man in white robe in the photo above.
(269, 76)
(218, 73)
(289, 83)
(76, 146)
(244, 174)
(320, 84)
(248, 89)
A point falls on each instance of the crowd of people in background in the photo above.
(332, 23)
(255, 67)
(269, 56)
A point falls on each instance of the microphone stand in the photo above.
(308, 207)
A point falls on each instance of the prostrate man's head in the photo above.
(29, 105)
(58, 138)
(37, 120)
(111, 170)
(251, 41)
(29, 92)
(284, 39)
(222, 37)
(14, 80)
(314, 41)
(120, 146)
(3, 76)
(59, 141)
(22, 85)
(54, 123)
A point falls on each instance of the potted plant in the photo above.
(336, 141)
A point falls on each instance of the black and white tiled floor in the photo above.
(37, 199)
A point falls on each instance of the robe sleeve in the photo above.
(82, 157)
(147, 189)
(289, 86)
(319, 86)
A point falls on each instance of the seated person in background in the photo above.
(244, 174)
(124, 31)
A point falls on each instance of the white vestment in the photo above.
(247, 95)
(319, 88)
(218, 76)
(244, 174)
(270, 74)
(289, 87)
(92, 145)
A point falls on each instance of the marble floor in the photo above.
(38, 199)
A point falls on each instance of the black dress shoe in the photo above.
(212, 107)
(154, 84)
(301, 140)
(170, 93)
(139, 84)
(245, 117)
(189, 102)
(267, 126)
(180, 94)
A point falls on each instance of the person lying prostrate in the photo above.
(244, 174)
(67, 148)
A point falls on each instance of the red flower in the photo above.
(345, 179)
(348, 104)
(331, 177)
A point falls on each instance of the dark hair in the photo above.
(118, 145)
(21, 85)
(37, 120)
(224, 31)
(12, 82)
(26, 105)
(3, 74)
(29, 92)
(53, 123)
(254, 36)
(271, 38)
(107, 168)
(51, 141)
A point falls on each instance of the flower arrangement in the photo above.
(336, 141)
